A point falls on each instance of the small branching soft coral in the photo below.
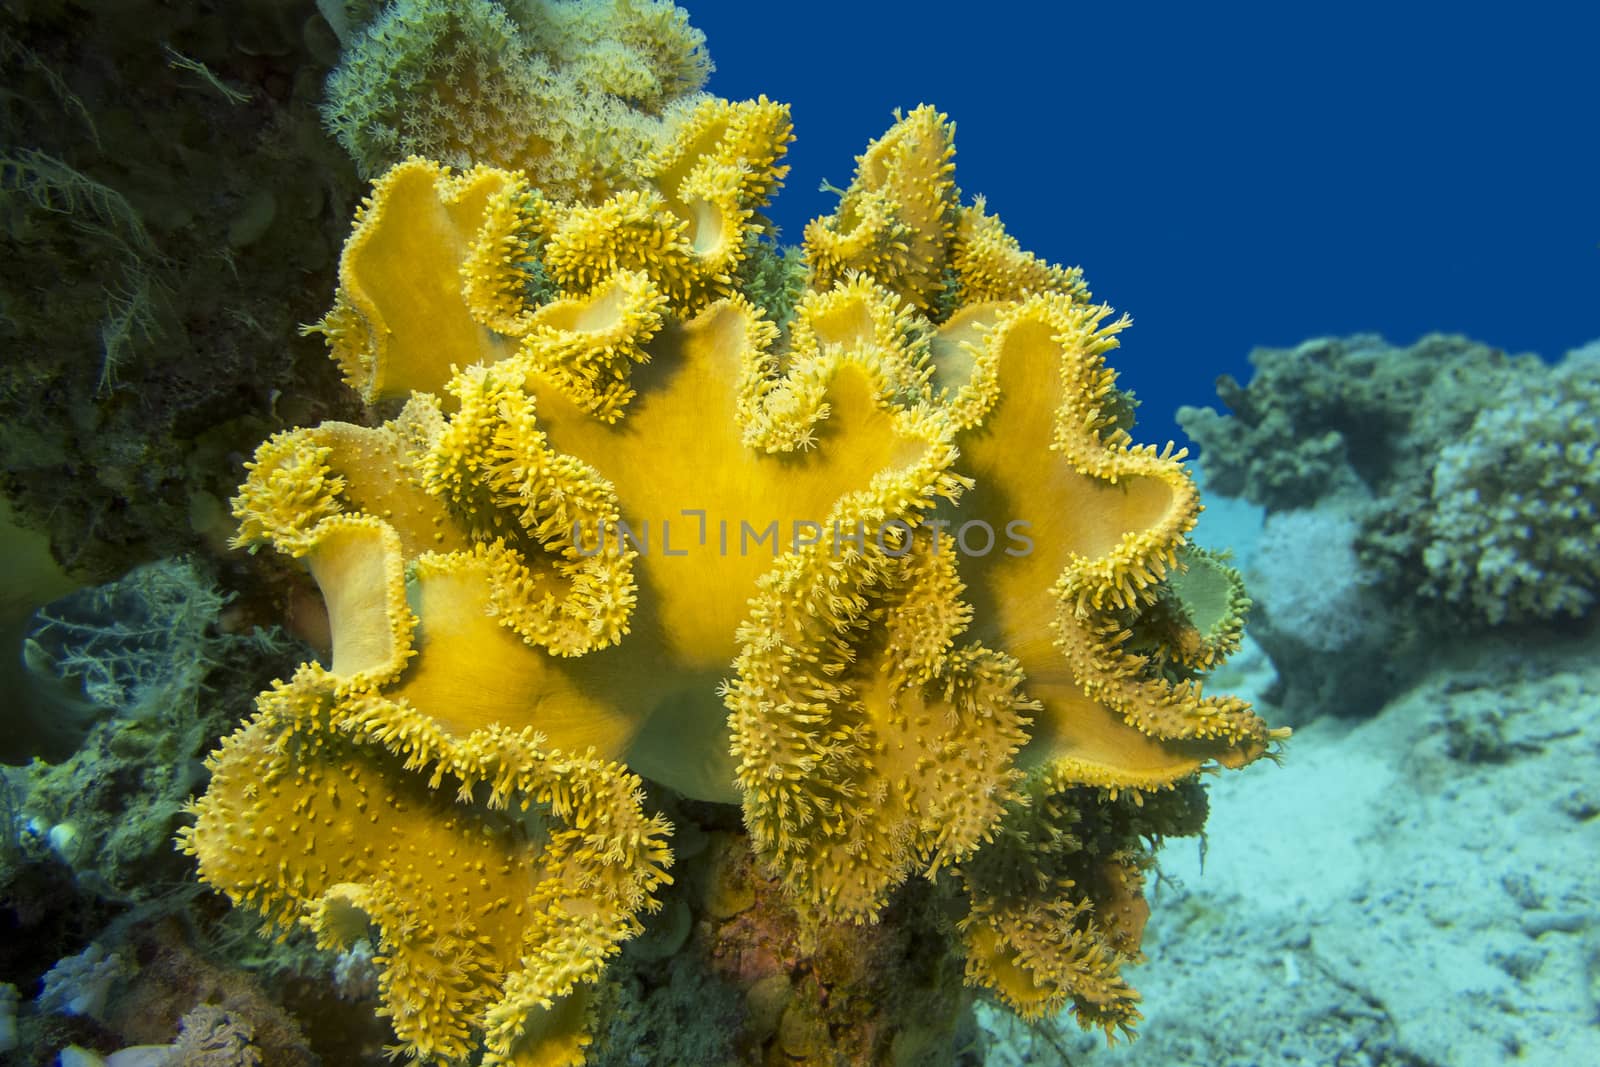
(894, 578)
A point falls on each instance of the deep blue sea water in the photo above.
(1234, 175)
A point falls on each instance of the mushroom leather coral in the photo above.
(625, 524)
(494, 917)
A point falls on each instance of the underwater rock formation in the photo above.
(169, 210)
(891, 574)
(1322, 616)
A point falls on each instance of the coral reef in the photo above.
(210, 1036)
(83, 984)
(168, 206)
(135, 648)
(570, 93)
(1341, 415)
(134, 669)
(151, 668)
(1515, 514)
(894, 577)
(1473, 475)
(747, 981)
(1409, 954)
(156, 259)
(158, 1000)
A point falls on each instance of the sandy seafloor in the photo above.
(1415, 888)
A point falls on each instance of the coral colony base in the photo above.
(463, 779)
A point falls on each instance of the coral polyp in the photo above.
(890, 574)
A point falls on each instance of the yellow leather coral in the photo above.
(437, 271)
(690, 221)
(494, 917)
(399, 321)
(893, 577)
(896, 219)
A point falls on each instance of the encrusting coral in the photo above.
(894, 577)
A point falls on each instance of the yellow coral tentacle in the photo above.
(1054, 908)
(633, 230)
(368, 839)
(589, 345)
(1102, 521)
(750, 136)
(722, 165)
(400, 275)
(690, 223)
(288, 490)
(496, 274)
(855, 321)
(895, 221)
(867, 760)
(990, 265)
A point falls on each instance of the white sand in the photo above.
(1419, 888)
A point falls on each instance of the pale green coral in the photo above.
(569, 92)
(1336, 415)
(1515, 522)
(641, 51)
(138, 674)
(1472, 474)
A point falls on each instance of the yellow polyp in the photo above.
(588, 345)
(401, 274)
(626, 523)
(413, 911)
(290, 488)
(357, 562)
(494, 275)
(895, 221)
(990, 265)
(749, 137)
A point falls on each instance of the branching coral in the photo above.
(1472, 474)
(135, 678)
(1515, 514)
(906, 540)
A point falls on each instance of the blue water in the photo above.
(1232, 175)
